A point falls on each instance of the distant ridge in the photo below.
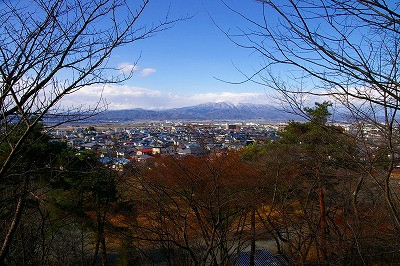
(202, 112)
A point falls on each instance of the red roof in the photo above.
(146, 150)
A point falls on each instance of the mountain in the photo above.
(201, 112)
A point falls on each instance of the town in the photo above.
(118, 144)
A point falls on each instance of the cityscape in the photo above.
(118, 144)
(141, 142)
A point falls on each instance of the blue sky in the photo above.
(181, 66)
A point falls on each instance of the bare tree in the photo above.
(197, 211)
(49, 49)
(347, 52)
(343, 48)
(53, 48)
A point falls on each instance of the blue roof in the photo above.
(261, 258)
(105, 160)
(121, 160)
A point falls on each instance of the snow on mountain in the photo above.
(206, 111)
(216, 105)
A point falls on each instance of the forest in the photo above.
(318, 195)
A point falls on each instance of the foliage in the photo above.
(194, 208)
(312, 171)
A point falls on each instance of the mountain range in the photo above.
(202, 112)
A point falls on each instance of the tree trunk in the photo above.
(322, 213)
(103, 250)
(5, 249)
(100, 240)
(96, 251)
(82, 246)
(253, 237)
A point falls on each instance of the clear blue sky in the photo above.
(178, 66)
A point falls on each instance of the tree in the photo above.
(49, 49)
(53, 48)
(35, 166)
(85, 190)
(313, 176)
(53, 194)
(323, 152)
(346, 51)
(195, 210)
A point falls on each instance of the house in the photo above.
(261, 258)
(75, 142)
(147, 151)
(90, 146)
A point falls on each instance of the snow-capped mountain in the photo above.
(206, 111)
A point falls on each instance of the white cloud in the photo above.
(147, 71)
(127, 97)
(234, 97)
(127, 68)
